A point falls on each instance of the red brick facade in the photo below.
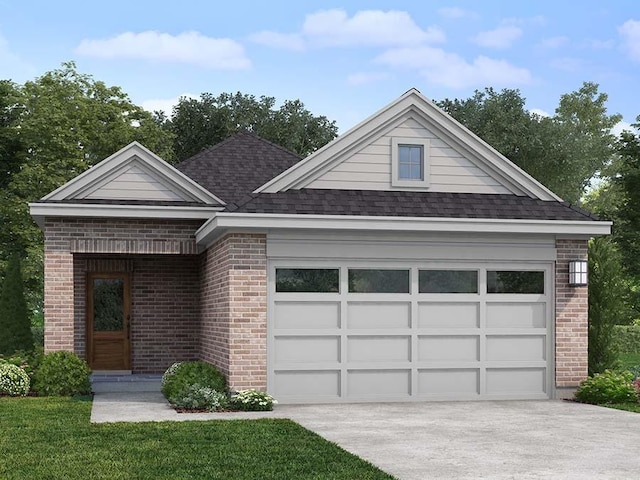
(571, 329)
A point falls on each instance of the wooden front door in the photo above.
(108, 321)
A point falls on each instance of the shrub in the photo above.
(198, 397)
(627, 338)
(62, 373)
(13, 380)
(607, 387)
(179, 377)
(252, 401)
(14, 316)
(27, 361)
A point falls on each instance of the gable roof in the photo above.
(238, 165)
(149, 178)
(443, 125)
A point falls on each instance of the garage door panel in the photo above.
(306, 315)
(366, 383)
(516, 381)
(369, 315)
(309, 349)
(321, 383)
(449, 382)
(515, 348)
(448, 315)
(516, 315)
(363, 348)
(439, 348)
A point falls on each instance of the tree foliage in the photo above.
(15, 325)
(563, 151)
(606, 302)
(200, 123)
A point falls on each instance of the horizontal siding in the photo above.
(370, 167)
(134, 184)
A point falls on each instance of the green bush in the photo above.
(627, 338)
(198, 397)
(27, 361)
(14, 316)
(62, 373)
(13, 380)
(252, 401)
(607, 387)
(179, 377)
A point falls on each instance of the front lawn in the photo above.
(51, 438)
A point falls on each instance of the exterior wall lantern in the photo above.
(578, 270)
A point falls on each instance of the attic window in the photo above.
(410, 162)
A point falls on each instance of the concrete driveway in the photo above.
(482, 440)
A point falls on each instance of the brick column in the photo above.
(572, 308)
(58, 301)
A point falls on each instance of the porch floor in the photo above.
(106, 383)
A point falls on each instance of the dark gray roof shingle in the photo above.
(238, 165)
(408, 204)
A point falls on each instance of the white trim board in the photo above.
(411, 103)
(222, 222)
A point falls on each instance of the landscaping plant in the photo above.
(252, 401)
(14, 315)
(13, 380)
(198, 397)
(27, 361)
(179, 377)
(62, 373)
(607, 387)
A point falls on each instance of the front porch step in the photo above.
(106, 383)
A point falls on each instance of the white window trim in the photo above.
(426, 163)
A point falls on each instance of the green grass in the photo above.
(51, 438)
(629, 407)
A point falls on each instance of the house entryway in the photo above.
(109, 321)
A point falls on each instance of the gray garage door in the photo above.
(354, 332)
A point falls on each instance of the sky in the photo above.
(343, 59)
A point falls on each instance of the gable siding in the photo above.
(370, 168)
(134, 184)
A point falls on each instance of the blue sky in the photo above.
(343, 59)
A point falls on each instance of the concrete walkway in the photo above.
(445, 440)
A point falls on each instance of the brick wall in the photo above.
(234, 309)
(572, 308)
(67, 241)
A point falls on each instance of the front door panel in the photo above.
(108, 321)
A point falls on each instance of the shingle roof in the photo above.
(238, 165)
(408, 204)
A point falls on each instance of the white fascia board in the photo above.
(225, 221)
(41, 210)
(95, 174)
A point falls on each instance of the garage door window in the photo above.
(448, 281)
(515, 282)
(378, 281)
(325, 280)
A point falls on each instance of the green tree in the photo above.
(200, 123)
(64, 122)
(15, 326)
(563, 152)
(10, 148)
(606, 302)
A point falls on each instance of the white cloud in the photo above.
(361, 78)
(451, 70)
(284, 41)
(553, 42)
(366, 28)
(539, 112)
(599, 44)
(501, 37)
(187, 47)
(630, 33)
(165, 104)
(456, 12)
(619, 127)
